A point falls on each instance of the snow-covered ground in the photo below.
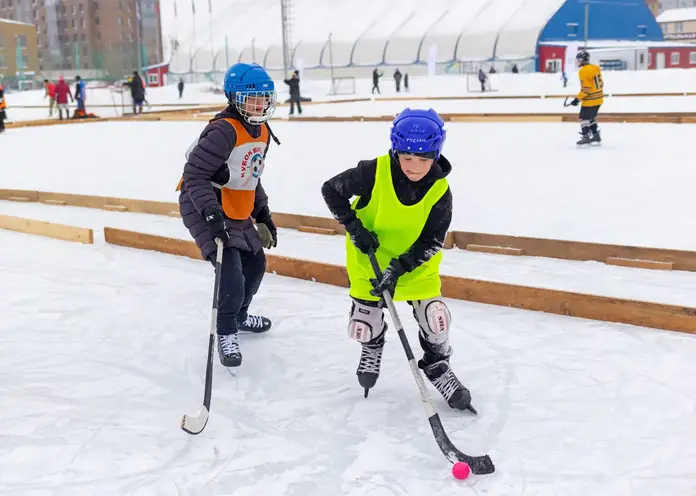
(106, 103)
(526, 179)
(677, 288)
(103, 350)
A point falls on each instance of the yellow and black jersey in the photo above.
(591, 86)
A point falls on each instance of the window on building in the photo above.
(641, 59)
(572, 29)
(3, 61)
(2, 41)
(692, 58)
(86, 65)
(74, 37)
(21, 41)
(153, 79)
(129, 22)
(642, 31)
(82, 22)
(73, 23)
(74, 10)
(674, 59)
(96, 21)
(120, 21)
(83, 37)
(82, 9)
(679, 27)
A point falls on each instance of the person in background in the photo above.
(3, 106)
(62, 94)
(515, 70)
(137, 89)
(375, 81)
(482, 79)
(180, 87)
(51, 94)
(80, 96)
(397, 79)
(406, 82)
(294, 84)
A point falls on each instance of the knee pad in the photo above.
(366, 322)
(585, 123)
(434, 319)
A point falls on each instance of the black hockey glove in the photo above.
(390, 276)
(364, 240)
(267, 228)
(216, 223)
(575, 102)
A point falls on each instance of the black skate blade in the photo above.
(367, 391)
(251, 331)
(472, 409)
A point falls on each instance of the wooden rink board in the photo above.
(47, 229)
(619, 310)
(503, 244)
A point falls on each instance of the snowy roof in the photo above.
(10, 21)
(677, 15)
(362, 32)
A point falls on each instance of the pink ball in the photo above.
(460, 470)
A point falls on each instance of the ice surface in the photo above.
(103, 350)
(520, 179)
(676, 288)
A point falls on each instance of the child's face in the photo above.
(415, 168)
(254, 106)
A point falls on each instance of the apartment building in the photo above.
(19, 59)
(91, 36)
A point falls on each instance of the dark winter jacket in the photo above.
(137, 88)
(397, 76)
(294, 84)
(360, 180)
(375, 77)
(206, 163)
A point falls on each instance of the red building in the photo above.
(620, 55)
(156, 73)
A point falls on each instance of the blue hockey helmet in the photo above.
(252, 91)
(418, 132)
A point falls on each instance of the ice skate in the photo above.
(255, 324)
(228, 349)
(596, 138)
(441, 376)
(370, 362)
(585, 140)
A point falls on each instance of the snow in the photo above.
(675, 288)
(677, 15)
(111, 354)
(526, 179)
(103, 347)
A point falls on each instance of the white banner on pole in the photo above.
(432, 57)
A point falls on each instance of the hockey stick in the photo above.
(479, 465)
(565, 102)
(195, 425)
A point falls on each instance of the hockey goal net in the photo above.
(343, 86)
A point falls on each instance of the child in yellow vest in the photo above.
(402, 213)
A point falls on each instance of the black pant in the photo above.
(375, 86)
(295, 101)
(589, 113)
(242, 272)
(2, 120)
